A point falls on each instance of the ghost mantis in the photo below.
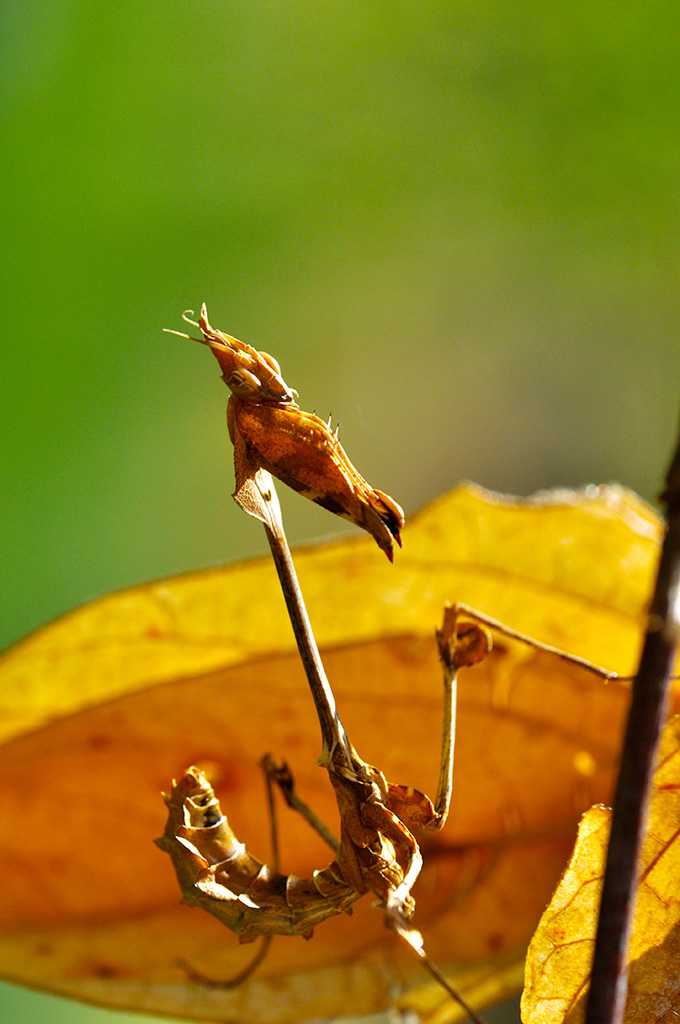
(377, 850)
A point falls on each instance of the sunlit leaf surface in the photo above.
(561, 952)
(101, 709)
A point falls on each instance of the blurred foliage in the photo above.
(455, 225)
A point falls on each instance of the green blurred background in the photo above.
(455, 224)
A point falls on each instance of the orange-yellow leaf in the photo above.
(101, 709)
(561, 951)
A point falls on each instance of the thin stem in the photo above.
(282, 776)
(332, 730)
(648, 710)
(256, 494)
(445, 786)
(238, 979)
(273, 821)
(438, 976)
(446, 642)
(500, 627)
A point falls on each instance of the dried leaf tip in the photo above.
(462, 643)
(391, 516)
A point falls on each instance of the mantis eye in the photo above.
(243, 383)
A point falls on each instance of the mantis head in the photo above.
(251, 375)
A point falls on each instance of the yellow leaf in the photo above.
(101, 709)
(561, 951)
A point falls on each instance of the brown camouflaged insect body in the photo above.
(302, 451)
(216, 872)
(295, 446)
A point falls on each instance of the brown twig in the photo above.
(256, 495)
(332, 729)
(648, 711)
